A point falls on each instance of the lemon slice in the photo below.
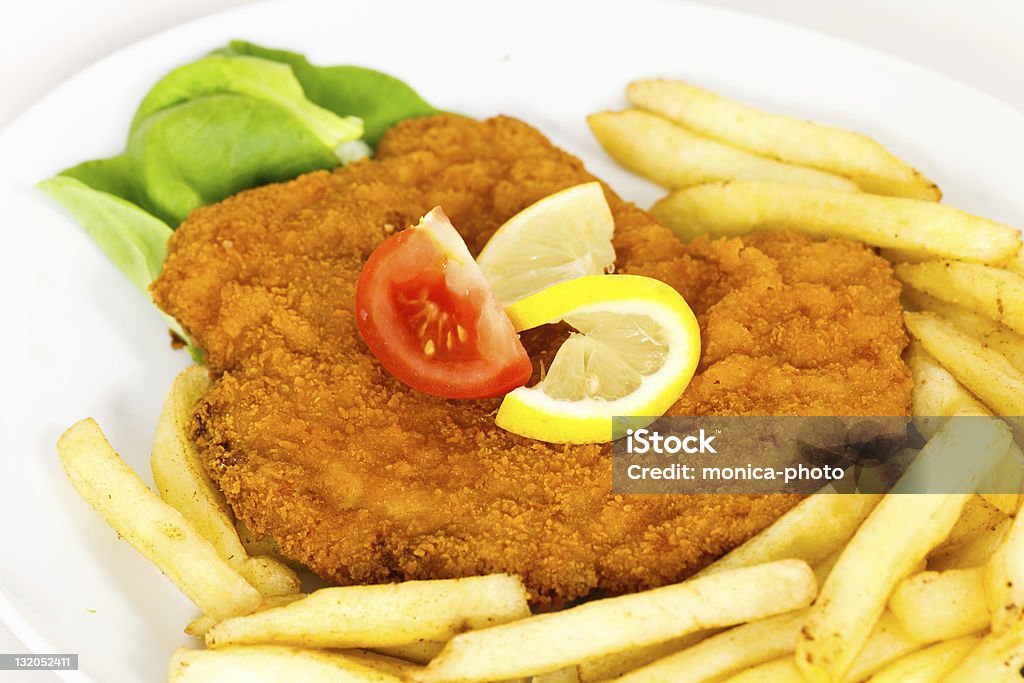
(563, 236)
(635, 350)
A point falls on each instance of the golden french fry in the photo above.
(733, 650)
(272, 664)
(732, 209)
(374, 660)
(888, 642)
(937, 395)
(203, 623)
(981, 327)
(566, 675)
(972, 553)
(993, 292)
(1016, 264)
(419, 652)
(552, 641)
(256, 546)
(983, 371)
(895, 537)
(381, 615)
(607, 667)
(183, 483)
(904, 256)
(782, 670)
(934, 606)
(978, 517)
(150, 525)
(270, 576)
(815, 528)
(999, 657)
(929, 665)
(1004, 579)
(1008, 503)
(839, 151)
(825, 567)
(675, 157)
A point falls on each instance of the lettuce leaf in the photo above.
(259, 78)
(206, 149)
(379, 100)
(135, 241)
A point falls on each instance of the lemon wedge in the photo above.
(563, 236)
(634, 351)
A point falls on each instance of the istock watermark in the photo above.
(839, 454)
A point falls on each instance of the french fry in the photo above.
(1004, 579)
(934, 606)
(904, 256)
(999, 657)
(272, 664)
(183, 483)
(887, 642)
(270, 576)
(732, 209)
(811, 531)
(552, 641)
(256, 546)
(675, 157)
(383, 663)
(198, 627)
(825, 567)
(978, 516)
(150, 525)
(733, 650)
(609, 666)
(419, 652)
(972, 553)
(897, 535)
(981, 327)
(937, 395)
(782, 670)
(992, 292)
(929, 665)
(794, 140)
(381, 615)
(983, 371)
(1016, 264)
(566, 675)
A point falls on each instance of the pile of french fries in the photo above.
(843, 588)
(734, 169)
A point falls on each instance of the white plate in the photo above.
(79, 341)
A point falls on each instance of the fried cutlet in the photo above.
(365, 480)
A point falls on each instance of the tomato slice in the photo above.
(427, 314)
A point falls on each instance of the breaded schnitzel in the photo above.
(365, 480)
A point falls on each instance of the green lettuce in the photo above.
(132, 239)
(207, 149)
(379, 100)
(260, 78)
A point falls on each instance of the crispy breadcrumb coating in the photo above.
(365, 480)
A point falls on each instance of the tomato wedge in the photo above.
(427, 314)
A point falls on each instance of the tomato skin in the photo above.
(424, 309)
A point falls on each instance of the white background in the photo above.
(44, 42)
